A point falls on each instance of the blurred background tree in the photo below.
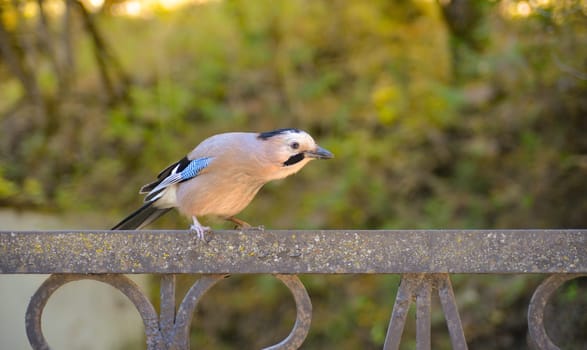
(448, 114)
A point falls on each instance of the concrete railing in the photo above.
(425, 258)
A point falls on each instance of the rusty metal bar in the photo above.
(253, 251)
(423, 307)
(451, 313)
(167, 307)
(403, 299)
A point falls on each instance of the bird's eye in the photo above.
(295, 145)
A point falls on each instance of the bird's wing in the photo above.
(183, 170)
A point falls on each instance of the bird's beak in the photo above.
(319, 153)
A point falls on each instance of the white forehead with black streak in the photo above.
(290, 144)
(269, 134)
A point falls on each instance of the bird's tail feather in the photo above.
(141, 217)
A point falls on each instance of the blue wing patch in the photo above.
(191, 170)
(194, 168)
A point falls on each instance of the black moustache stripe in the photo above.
(294, 159)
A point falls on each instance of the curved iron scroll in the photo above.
(538, 337)
(170, 330)
(122, 283)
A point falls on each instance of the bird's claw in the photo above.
(200, 231)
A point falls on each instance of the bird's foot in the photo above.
(199, 230)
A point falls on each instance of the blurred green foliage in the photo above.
(463, 114)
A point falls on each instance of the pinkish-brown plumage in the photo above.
(230, 169)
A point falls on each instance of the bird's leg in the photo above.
(243, 224)
(240, 223)
(198, 229)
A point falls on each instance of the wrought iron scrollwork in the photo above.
(537, 332)
(170, 329)
(120, 282)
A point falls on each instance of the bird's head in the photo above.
(291, 149)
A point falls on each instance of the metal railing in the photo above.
(425, 258)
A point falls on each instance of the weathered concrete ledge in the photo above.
(269, 251)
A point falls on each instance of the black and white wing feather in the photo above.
(178, 172)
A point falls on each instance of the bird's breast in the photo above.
(225, 195)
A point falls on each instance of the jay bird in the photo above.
(222, 174)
